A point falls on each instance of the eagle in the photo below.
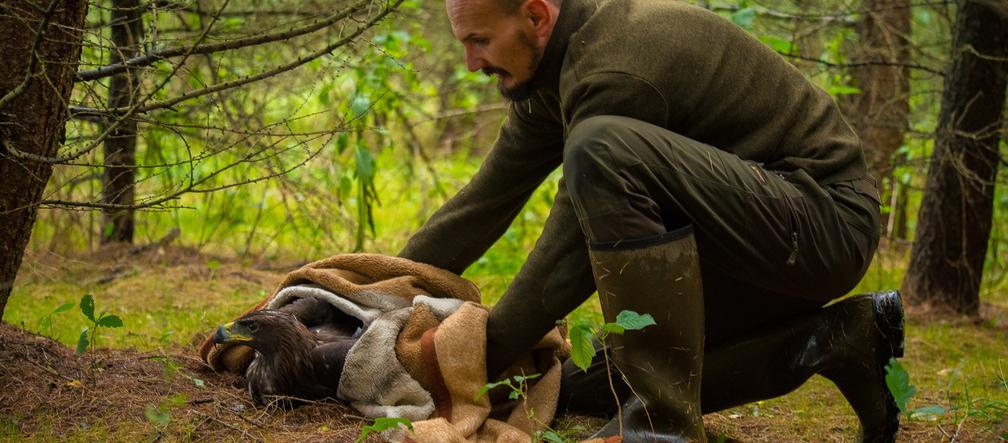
(300, 349)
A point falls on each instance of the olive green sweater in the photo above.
(668, 63)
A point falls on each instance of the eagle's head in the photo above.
(266, 331)
(282, 365)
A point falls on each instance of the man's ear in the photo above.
(542, 16)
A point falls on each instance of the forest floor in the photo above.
(144, 382)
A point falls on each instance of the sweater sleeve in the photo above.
(529, 147)
(615, 93)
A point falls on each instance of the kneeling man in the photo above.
(705, 182)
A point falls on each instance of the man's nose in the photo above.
(474, 62)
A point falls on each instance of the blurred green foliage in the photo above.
(391, 128)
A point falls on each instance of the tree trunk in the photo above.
(119, 175)
(33, 110)
(879, 113)
(954, 223)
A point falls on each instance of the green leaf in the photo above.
(898, 381)
(359, 105)
(63, 308)
(381, 424)
(199, 383)
(513, 395)
(365, 162)
(553, 437)
(744, 18)
(82, 343)
(613, 328)
(487, 387)
(932, 412)
(324, 94)
(110, 321)
(170, 367)
(345, 185)
(634, 321)
(87, 306)
(175, 400)
(582, 350)
(157, 416)
(45, 323)
(523, 378)
(843, 90)
(342, 141)
(778, 44)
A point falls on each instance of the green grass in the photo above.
(172, 301)
(161, 306)
(956, 364)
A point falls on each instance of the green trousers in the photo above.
(772, 244)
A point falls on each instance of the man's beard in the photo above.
(518, 92)
(521, 90)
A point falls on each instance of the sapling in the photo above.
(581, 335)
(89, 333)
(518, 389)
(47, 321)
(382, 424)
(582, 350)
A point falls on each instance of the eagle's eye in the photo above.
(253, 327)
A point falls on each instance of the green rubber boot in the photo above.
(661, 363)
(849, 343)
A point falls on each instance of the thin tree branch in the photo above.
(191, 188)
(862, 63)
(195, 9)
(146, 60)
(236, 83)
(126, 112)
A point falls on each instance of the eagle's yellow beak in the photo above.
(230, 333)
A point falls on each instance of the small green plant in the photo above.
(381, 424)
(46, 322)
(583, 351)
(89, 333)
(516, 384)
(9, 426)
(581, 335)
(967, 405)
(897, 379)
(161, 414)
(172, 368)
(555, 436)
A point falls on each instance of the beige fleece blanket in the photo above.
(422, 354)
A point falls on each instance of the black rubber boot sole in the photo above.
(889, 319)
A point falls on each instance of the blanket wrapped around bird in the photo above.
(393, 338)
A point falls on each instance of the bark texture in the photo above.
(954, 223)
(879, 113)
(119, 177)
(33, 112)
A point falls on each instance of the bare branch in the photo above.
(127, 113)
(862, 63)
(195, 9)
(191, 188)
(146, 60)
(237, 83)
